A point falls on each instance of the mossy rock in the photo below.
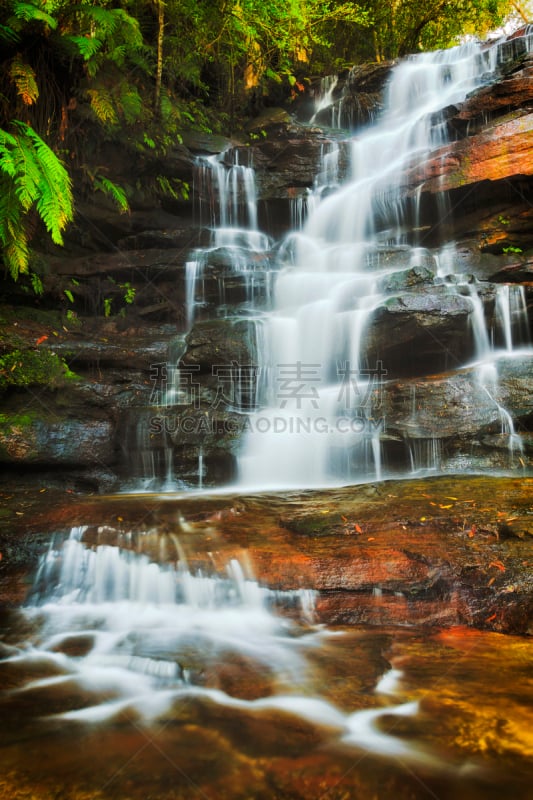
(20, 368)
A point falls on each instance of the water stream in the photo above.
(132, 673)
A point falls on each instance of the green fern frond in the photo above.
(24, 79)
(17, 255)
(54, 201)
(105, 19)
(7, 160)
(117, 194)
(30, 12)
(31, 175)
(131, 103)
(8, 35)
(103, 106)
(86, 46)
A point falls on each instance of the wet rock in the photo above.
(56, 442)
(499, 152)
(416, 333)
(220, 343)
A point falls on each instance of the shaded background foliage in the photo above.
(139, 72)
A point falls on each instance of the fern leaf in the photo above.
(24, 79)
(105, 18)
(117, 194)
(102, 105)
(41, 180)
(8, 35)
(54, 201)
(29, 12)
(86, 46)
(131, 103)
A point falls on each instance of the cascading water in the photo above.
(323, 419)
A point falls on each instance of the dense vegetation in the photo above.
(74, 75)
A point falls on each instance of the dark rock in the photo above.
(57, 442)
(416, 333)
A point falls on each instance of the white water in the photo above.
(318, 425)
(136, 635)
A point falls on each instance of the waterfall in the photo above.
(323, 421)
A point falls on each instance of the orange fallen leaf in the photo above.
(371, 539)
(358, 528)
(497, 565)
(41, 339)
(489, 619)
(491, 581)
(344, 519)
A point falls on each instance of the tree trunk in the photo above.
(159, 65)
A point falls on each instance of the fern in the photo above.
(131, 103)
(102, 105)
(31, 176)
(8, 35)
(117, 194)
(87, 47)
(24, 79)
(30, 12)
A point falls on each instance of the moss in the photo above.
(21, 368)
(17, 439)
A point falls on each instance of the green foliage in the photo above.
(32, 12)
(31, 178)
(129, 292)
(116, 193)
(511, 249)
(24, 79)
(407, 26)
(21, 368)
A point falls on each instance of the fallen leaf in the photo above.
(497, 565)
(491, 581)
(344, 519)
(423, 519)
(449, 497)
(489, 619)
(371, 539)
(41, 339)
(358, 528)
(441, 506)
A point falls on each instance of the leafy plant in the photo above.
(31, 178)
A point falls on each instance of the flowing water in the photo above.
(324, 404)
(319, 302)
(132, 674)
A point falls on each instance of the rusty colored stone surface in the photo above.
(441, 551)
(501, 151)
